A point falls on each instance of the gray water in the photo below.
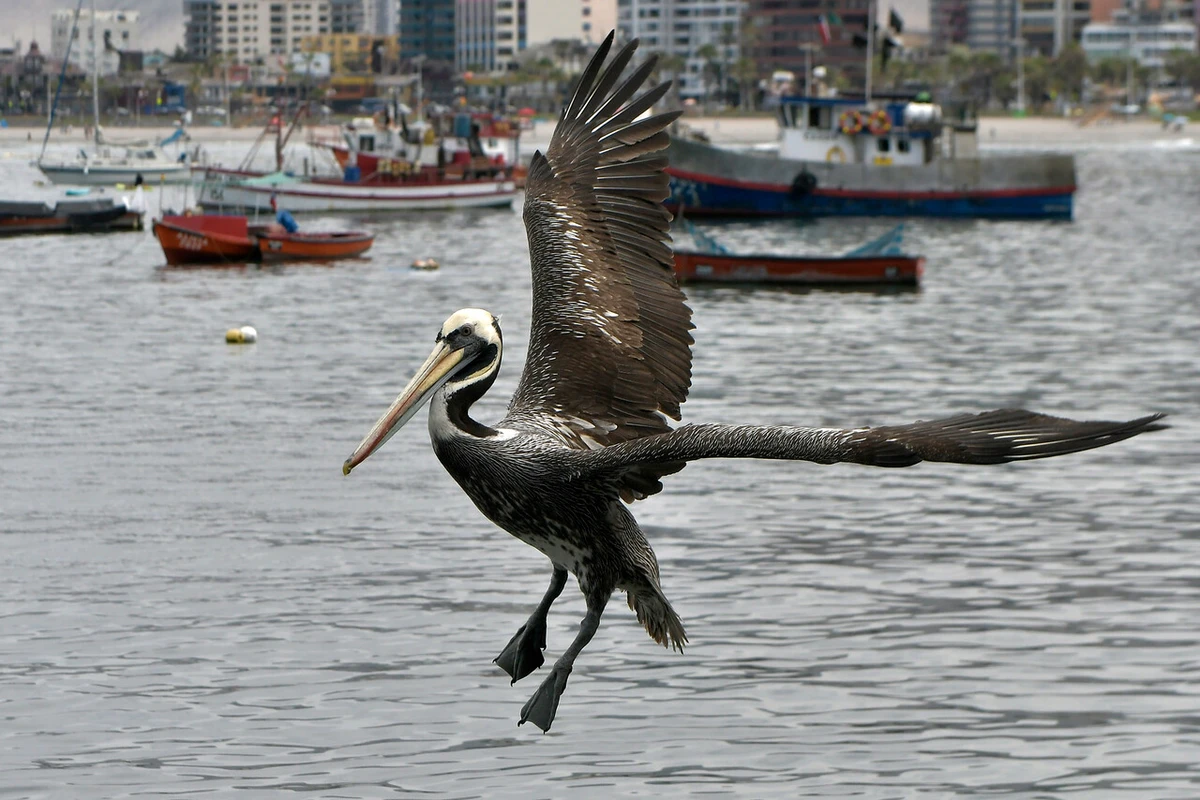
(195, 602)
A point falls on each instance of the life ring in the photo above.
(851, 122)
(836, 154)
(383, 166)
(879, 123)
(399, 167)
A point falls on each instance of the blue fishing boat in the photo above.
(841, 156)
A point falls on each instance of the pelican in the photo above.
(609, 363)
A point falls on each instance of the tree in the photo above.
(712, 68)
(1110, 71)
(1037, 80)
(669, 67)
(1183, 68)
(745, 72)
(1068, 71)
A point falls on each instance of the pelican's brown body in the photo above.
(609, 365)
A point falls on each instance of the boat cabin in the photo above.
(434, 141)
(846, 130)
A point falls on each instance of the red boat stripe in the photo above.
(866, 193)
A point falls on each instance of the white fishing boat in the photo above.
(228, 191)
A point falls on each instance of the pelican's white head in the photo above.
(466, 354)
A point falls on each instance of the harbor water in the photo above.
(194, 602)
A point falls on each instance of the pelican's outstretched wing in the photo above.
(609, 346)
(993, 437)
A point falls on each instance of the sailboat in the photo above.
(109, 162)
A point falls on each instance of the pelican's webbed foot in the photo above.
(542, 706)
(523, 653)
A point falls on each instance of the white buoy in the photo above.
(243, 335)
(425, 263)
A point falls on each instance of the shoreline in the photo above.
(993, 131)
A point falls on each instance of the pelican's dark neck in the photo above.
(460, 397)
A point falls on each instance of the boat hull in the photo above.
(67, 216)
(315, 246)
(206, 240)
(339, 196)
(712, 181)
(870, 271)
(77, 175)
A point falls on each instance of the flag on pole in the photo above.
(894, 21)
(823, 29)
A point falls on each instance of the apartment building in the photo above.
(247, 30)
(685, 27)
(1149, 44)
(119, 29)
(427, 29)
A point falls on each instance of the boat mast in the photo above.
(870, 44)
(95, 76)
(62, 74)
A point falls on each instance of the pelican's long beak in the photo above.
(437, 369)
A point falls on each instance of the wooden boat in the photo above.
(278, 245)
(878, 263)
(231, 239)
(207, 238)
(67, 216)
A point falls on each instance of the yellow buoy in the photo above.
(242, 335)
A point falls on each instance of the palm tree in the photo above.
(712, 69)
(745, 72)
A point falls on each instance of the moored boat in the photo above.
(206, 238)
(67, 216)
(231, 239)
(278, 245)
(842, 156)
(457, 141)
(226, 190)
(877, 263)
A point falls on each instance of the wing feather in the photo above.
(992, 437)
(609, 347)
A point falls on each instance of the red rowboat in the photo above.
(811, 271)
(231, 239)
(206, 238)
(878, 263)
(281, 245)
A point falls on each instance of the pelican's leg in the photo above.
(540, 708)
(523, 653)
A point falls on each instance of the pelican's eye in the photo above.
(466, 330)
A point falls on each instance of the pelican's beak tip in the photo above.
(346, 467)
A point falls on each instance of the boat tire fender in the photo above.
(803, 184)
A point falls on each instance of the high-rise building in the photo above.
(949, 23)
(1047, 26)
(427, 29)
(578, 20)
(686, 28)
(380, 17)
(346, 16)
(250, 29)
(992, 26)
(115, 31)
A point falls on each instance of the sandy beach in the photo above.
(998, 131)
